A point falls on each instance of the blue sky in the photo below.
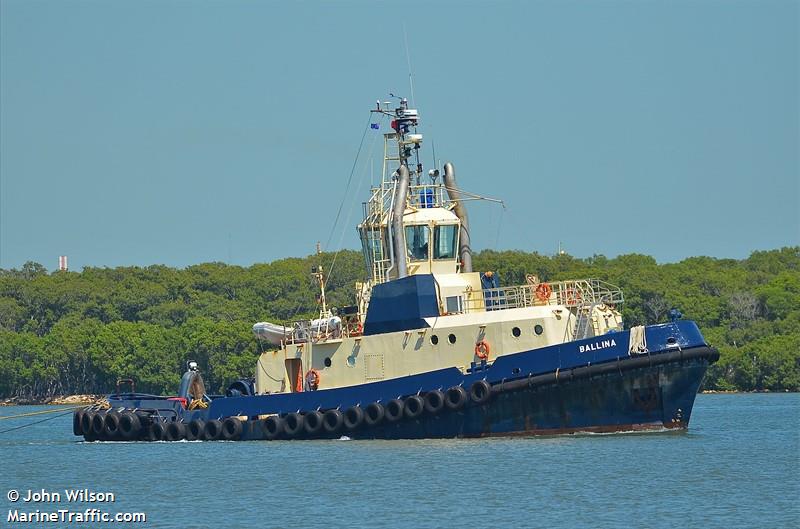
(176, 132)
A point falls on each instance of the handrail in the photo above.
(572, 293)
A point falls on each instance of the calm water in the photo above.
(738, 466)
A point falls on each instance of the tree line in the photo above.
(78, 332)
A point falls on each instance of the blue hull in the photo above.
(591, 385)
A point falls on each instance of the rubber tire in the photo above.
(156, 431)
(394, 410)
(293, 424)
(313, 422)
(195, 430)
(176, 431)
(332, 421)
(86, 422)
(272, 427)
(99, 425)
(480, 392)
(374, 413)
(212, 430)
(111, 426)
(434, 402)
(130, 427)
(76, 422)
(455, 398)
(414, 406)
(232, 429)
(353, 417)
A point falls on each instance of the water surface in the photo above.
(737, 466)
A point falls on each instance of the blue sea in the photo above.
(737, 466)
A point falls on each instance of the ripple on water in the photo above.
(736, 467)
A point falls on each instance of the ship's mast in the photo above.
(408, 141)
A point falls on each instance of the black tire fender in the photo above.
(374, 413)
(175, 431)
(130, 427)
(99, 424)
(480, 392)
(195, 430)
(394, 410)
(293, 424)
(455, 398)
(332, 421)
(156, 431)
(212, 430)
(272, 427)
(77, 419)
(232, 429)
(86, 422)
(414, 406)
(434, 401)
(312, 422)
(111, 426)
(353, 417)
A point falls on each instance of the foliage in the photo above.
(70, 332)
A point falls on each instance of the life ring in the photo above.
(482, 349)
(572, 297)
(312, 379)
(543, 291)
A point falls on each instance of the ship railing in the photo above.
(419, 196)
(379, 270)
(304, 331)
(571, 293)
(426, 196)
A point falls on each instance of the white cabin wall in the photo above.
(357, 360)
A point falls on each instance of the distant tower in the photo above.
(62, 262)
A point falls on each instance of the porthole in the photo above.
(671, 340)
(327, 362)
(538, 329)
(434, 339)
(516, 332)
(451, 338)
(515, 371)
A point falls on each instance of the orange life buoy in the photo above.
(313, 378)
(573, 297)
(543, 291)
(482, 349)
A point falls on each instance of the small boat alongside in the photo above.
(431, 348)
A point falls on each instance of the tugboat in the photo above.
(431, 348)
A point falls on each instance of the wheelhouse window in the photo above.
(445, 240)
(417, 242)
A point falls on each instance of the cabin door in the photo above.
(294, 370)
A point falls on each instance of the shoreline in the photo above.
(59, 400)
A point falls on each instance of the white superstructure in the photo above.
(416, 224)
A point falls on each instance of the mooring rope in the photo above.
(36, 422)
(2, 417)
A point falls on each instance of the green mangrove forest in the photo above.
(78, 332)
